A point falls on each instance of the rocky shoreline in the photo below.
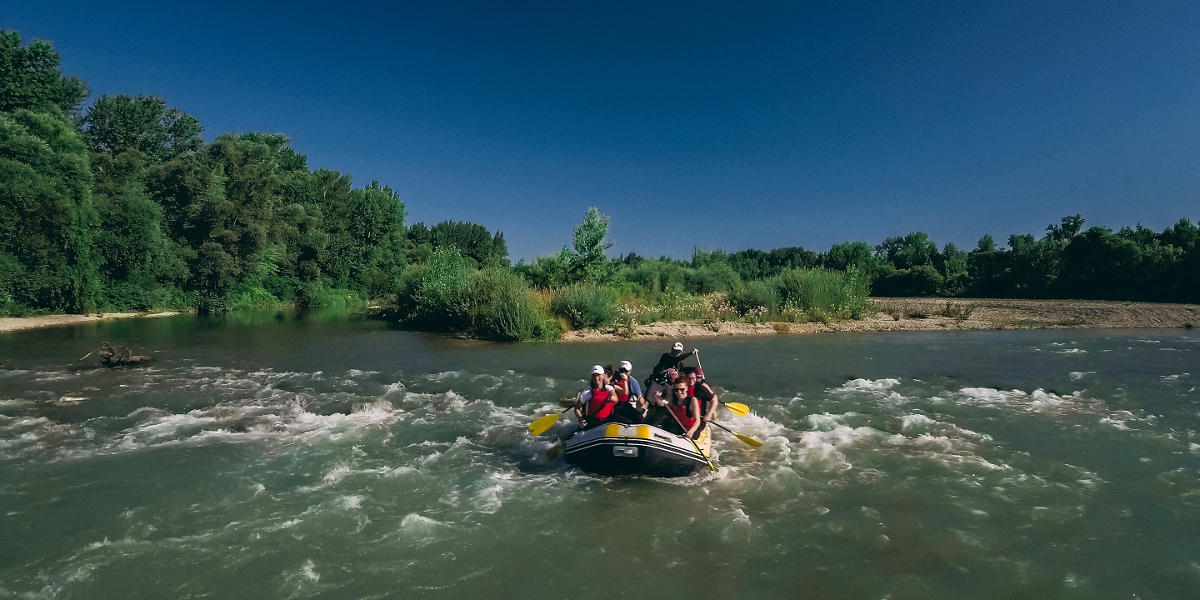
(935, 314)
(889, 314)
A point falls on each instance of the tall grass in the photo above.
(505, 308)
(448, 294)
(804, 294)
(586, 305)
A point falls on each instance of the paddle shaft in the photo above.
(688, 437)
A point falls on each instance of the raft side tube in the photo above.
(617, 449)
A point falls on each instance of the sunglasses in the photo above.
(683, 389)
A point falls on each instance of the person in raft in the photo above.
(595, 404)
(682, 414)
(698, 387)
(629, 393)
(669, 360)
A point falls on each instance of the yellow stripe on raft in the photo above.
(616, 430)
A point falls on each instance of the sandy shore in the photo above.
(8, 324)
(937, 314)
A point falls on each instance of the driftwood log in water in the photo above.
(119, 356)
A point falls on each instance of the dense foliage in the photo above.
(124, 206)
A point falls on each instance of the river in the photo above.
(269, 456)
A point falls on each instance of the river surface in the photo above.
(277, 457)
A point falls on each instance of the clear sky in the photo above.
(723, 125)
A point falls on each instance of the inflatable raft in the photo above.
(616, 449)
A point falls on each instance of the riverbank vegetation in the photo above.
(123, 206)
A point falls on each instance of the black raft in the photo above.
(616, 449)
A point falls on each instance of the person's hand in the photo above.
(695, 351)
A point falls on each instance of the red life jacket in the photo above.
(683, 413)
(623, 397)
(704, 394)
(601, 405)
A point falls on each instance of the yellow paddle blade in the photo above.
(737, 408)
(540, 426)
(747, 439)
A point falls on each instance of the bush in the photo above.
(809, 288)
(315, 296)
(505, 308)
(675, 306)
(441, 294)
(921, 280)
(823, 294)
(754, 296)
(716, 277)
(586, 305)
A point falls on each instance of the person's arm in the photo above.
(712, 404)
(622, 387)
(694, 408)
(580, 403)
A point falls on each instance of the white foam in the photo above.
(488, 499)
(870, 385)
(420, 526)
(915, 422)
(1077, 375)
(1175, 377)
(1072, 351)
(336, 474)
(827, 421)
(309, 570)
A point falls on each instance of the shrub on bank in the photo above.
(315, 296)
(496, 303)
(824, 294)
(755, 296)
(586, 305)
(505, 308)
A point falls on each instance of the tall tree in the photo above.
(589, 261)
(909, 251)
(47, 221)
(30, 78)
(122, 123)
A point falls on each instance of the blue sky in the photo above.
(692, 123)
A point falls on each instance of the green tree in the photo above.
(1068, 228)
(589, 261)
(909, 251)
(47, 220)
(123, 123)
(30, 78)
(852, 254)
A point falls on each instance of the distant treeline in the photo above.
(122, 205)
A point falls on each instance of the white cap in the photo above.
(626, 365)
(597, 370)
(678, 346)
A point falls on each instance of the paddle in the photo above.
(736, 408)
(745, 438)
(543, 424)
(689, 438)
